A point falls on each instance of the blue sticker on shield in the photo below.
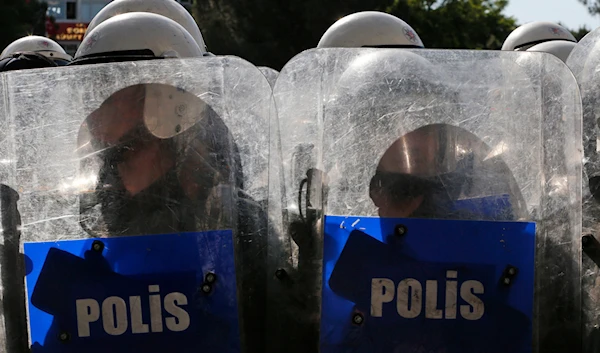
(152, 293)
(419, 285)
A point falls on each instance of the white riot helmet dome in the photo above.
(168, 8)
(136, 36)
(40, 45)
(370, 29)
(534, 33)
(559, 48)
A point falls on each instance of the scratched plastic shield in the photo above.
(137, 192)
(584, 61)
(417, 180)
(270, 74)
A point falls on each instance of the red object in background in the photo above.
(69, 31)
(50, 27)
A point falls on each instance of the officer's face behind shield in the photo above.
(427, 172)
(432, 169)
(163, 162)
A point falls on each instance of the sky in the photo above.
(569, 12)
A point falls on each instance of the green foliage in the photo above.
(593, 6)
(577, 33)
(270, 32)
(457, 24)
(581, 32)
(20, 18)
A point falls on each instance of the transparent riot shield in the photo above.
(584, 62)
(270, 74)
(133, 199)
(432, 201)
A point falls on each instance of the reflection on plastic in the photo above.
(157, 293)
(435, 286)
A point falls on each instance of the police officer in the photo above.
(162, 168)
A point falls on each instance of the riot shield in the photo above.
(583, 62)
(433, 201)
(132, 201)
(270, 74)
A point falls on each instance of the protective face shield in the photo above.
(25, 61)
(167, 8)
(153, 143)
(435, 171)
(370, 29)
(136, 36)
(559, 48)
(40, 45)
(534, 33)
(440, 162)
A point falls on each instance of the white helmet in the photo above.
(534, 33)
(36, 44)
(136, 36)
(168, 8)
(370, 29)
(559, 48)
